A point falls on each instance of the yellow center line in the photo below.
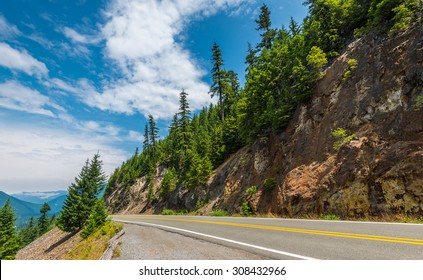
(392, 239)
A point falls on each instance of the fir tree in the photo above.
(154, 136)
(97, 218)
(218, 76)
(9, 242)
(29, 233)
(82, 196)
(44, 221)
(184, 133)
(263, 24)
(146, 143)
(294, 27)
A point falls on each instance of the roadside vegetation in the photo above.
(94, 245)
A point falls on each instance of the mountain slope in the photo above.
(23, 210)
(376, 171)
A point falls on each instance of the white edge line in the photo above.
(221, 239)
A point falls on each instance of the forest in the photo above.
(281, 73)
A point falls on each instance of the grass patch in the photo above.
(117, 252)
(269, 184)
(219, 213)
(173, 212)
(93, 247)
(331, 217)
(168, 212)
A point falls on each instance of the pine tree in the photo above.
(294, 27)
(184, 133)
(82, 196)
(154, 136)
(29, 233)
(97, 218)
(263, 24)
(146, 143)
(218, 76)
(9, 241)
(44, 221)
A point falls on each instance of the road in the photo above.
(296, 239)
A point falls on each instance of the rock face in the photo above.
(379, 172)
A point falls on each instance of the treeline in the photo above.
(282, 70)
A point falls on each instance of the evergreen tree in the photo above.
(184, 133)
(218, 76)
(263, 24)
(29, 233)
(44, 221)
(153, 133)
(294, 27)
(97, 218)
(146, 143)
(82, 196)
(9, 242)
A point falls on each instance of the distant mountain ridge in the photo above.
(25, 209)
(39, 197)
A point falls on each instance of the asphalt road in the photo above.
(296, 239)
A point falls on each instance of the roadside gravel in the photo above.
(148, 243)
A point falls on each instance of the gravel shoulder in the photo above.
(148, 243)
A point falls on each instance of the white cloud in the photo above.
(7, 30)
(135, 136)
(47, 159)
(15, 96)
(21, 60)
(77, 37)
(141, 39)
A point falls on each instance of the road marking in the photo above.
(220, 238)
(409, 241)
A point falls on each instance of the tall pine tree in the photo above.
(9, 242)
(82, 196)
(146, 143)
(154, 136)
(218, 76)
(184, 132)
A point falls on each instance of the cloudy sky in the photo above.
(77, 77)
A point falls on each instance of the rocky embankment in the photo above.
(378, 172)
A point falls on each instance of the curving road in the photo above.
(296, 239)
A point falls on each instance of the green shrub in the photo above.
(168, 212)
(329, 217)
(218, 213)
(419, 103)
(246, 209)
(250, 191)
(269, 184)
(341, 137)
(352, 65)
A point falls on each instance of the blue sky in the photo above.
(77, 77)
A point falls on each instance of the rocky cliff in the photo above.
(373, 91)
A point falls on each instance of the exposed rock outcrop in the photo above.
(379, 172)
